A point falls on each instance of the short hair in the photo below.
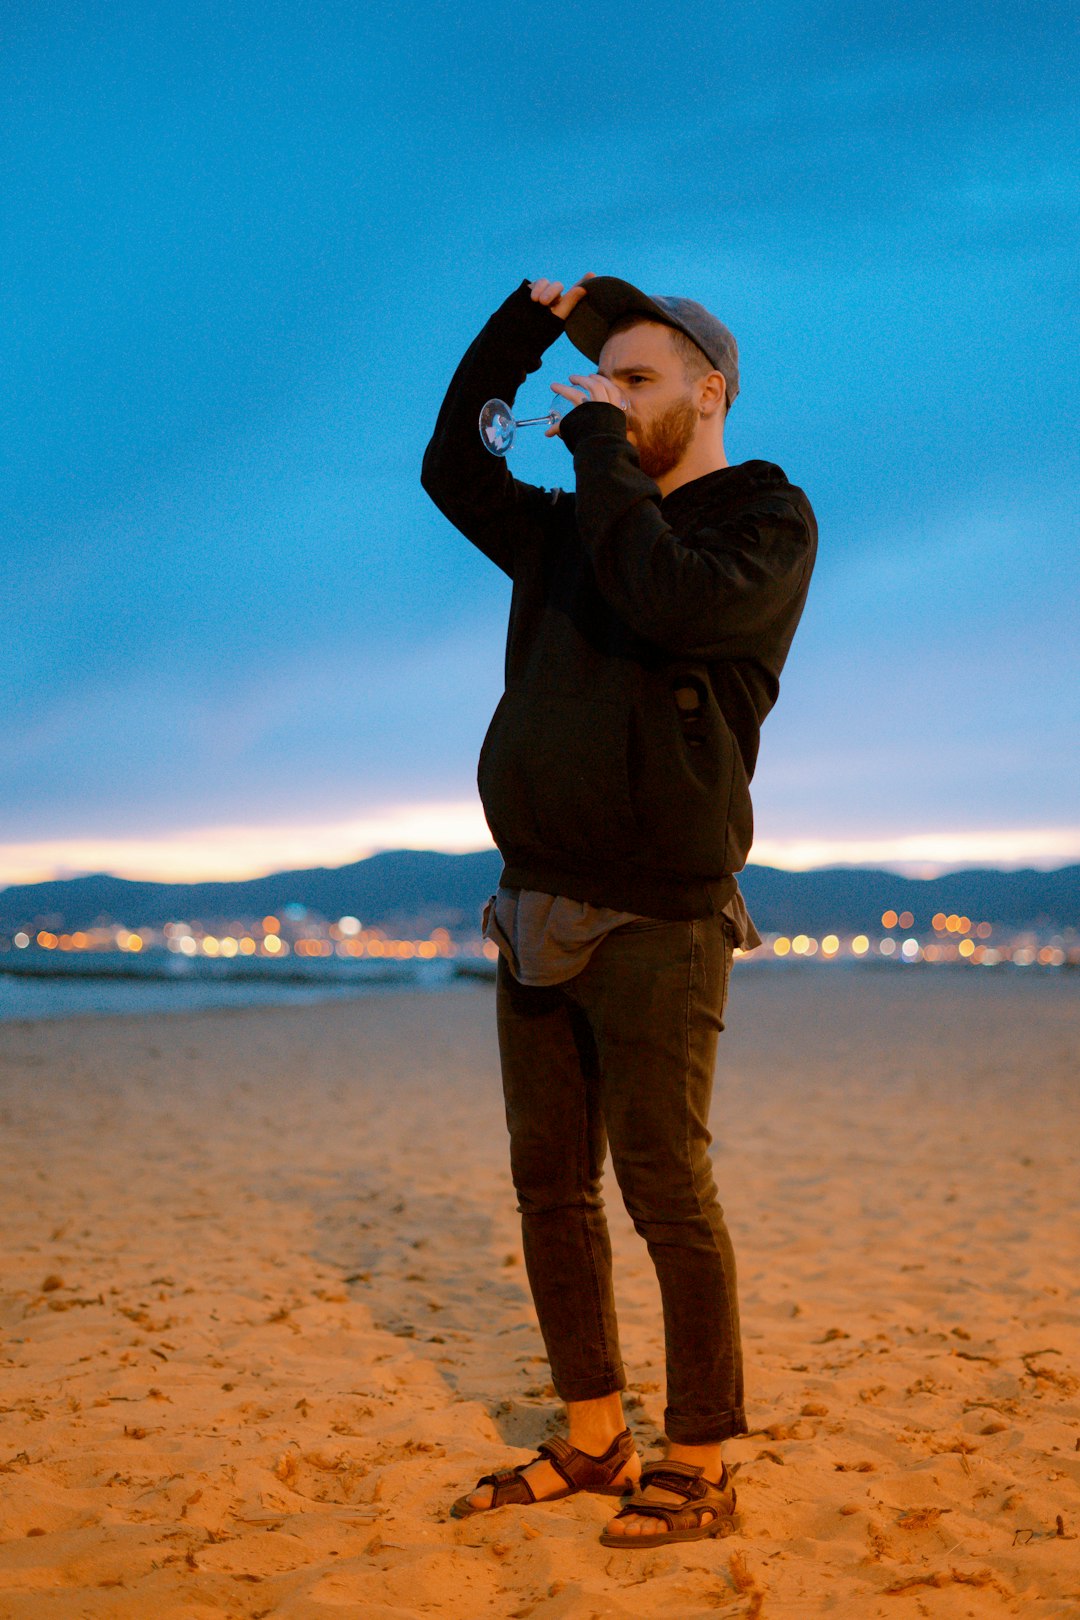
(695, 362)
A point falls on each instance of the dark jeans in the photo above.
(624, 1053)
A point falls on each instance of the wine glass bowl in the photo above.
(498, 425)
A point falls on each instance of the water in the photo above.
(141, 988)
(65, 996)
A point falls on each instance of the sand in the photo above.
(263, 1313)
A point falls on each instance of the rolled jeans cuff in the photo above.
(591, 1389)
(726, 1426)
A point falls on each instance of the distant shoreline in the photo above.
(71, 988)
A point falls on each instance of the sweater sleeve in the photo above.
(716, 598)
(470, 486)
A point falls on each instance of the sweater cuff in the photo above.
(534, 317)
(597, 417)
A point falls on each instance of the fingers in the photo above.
(584, 389)
(544, 291)
(601, 388)
(576, 396)
(575, 295)
(572, 298)
(550, 293)
(594, 387)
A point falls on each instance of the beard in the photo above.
(662, 443)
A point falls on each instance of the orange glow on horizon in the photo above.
(237, 852)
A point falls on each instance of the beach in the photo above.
(263, 1313)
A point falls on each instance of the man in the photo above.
(651, 615)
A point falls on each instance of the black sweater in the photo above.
(597, 781)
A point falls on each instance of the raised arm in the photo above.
(736, 591)
(471, 487)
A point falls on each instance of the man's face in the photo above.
(663, 416)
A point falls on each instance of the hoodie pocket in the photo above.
(552, 776)
(684, 765)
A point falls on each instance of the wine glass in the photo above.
(498, 425)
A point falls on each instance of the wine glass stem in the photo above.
(531, 421)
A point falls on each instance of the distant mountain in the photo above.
(398, 886)
(840, 897)
(417, 890)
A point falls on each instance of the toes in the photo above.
(627, 1527)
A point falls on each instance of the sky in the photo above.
(244, 247)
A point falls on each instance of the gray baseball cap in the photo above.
(588, 323)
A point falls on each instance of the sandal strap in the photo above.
(684, 1479)
(508, 1486)
(670, 1513)
(581, 1470)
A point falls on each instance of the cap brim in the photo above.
(589, 322)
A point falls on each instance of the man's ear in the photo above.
(713, 395)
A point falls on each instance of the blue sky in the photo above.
(244, 248)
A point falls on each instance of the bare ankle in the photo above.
(706, 1457)
(595, 1424)
(593, 1440)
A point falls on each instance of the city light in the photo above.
(943, 940)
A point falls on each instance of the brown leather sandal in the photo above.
(708, 1507)
(581, 1471)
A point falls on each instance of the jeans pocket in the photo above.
(644, 925)
(729, 957)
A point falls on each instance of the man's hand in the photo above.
(595, 387)
(591, 387)
(546, 292)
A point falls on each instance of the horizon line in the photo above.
(241, 853)
(911, 870)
